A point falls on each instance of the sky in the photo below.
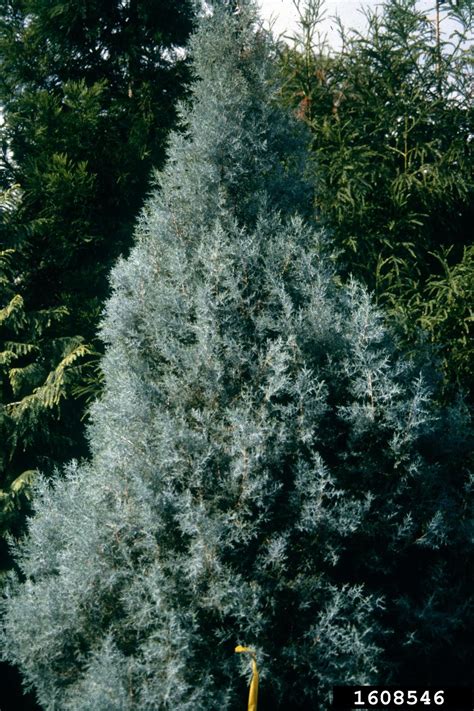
(285, 13)
(348, 10)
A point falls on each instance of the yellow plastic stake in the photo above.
(253, 692)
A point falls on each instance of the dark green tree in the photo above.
(266, 469)
(88, 93)
(392, 123)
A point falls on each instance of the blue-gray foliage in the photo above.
(262, 458)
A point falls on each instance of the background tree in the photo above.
(267, 470)
(392, 125)
(88, 94)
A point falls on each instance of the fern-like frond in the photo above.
(21, 349)
(13, 311)
(22, 483)
(7, 357)
(25, 377)
(54, 388)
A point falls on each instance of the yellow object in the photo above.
(253, 692)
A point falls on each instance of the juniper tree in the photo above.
(87, 94)
(263, 466)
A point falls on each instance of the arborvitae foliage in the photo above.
(266, 469)
(39, 365)
(88, 94)
(391, 117)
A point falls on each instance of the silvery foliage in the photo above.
(255, 447)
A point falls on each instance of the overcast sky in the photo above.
(285, 12)
(348, 11)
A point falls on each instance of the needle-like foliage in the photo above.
(263, 462)
(87, 100)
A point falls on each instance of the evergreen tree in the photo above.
(266, 469)
(391, 118)
(87, 94)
